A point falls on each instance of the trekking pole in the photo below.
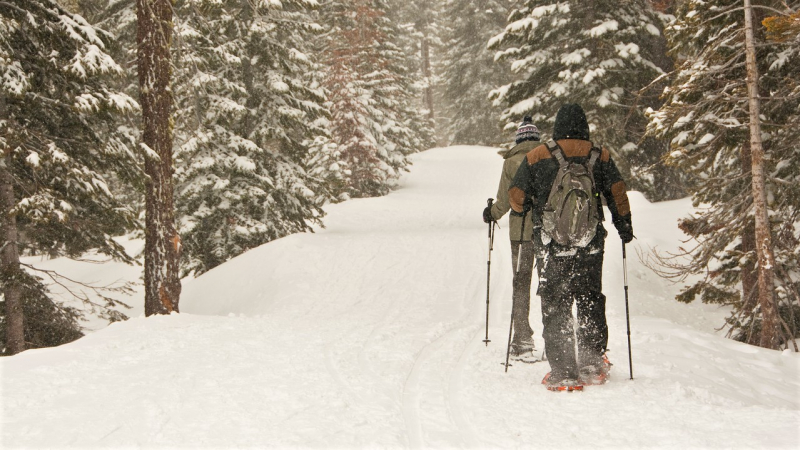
(489, 271)
(521, 237)
(516, 274)
(627, 312)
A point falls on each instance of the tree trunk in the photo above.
(15, 321)
(749, 272)
(9, 255)
(247, 73)
(766, 261)
(162, 243)
(426, 72)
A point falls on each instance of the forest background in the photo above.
(211, 127)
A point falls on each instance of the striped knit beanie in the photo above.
(527, 131)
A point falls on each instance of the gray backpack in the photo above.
(570, 216)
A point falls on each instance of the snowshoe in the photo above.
(527, 358)
(524, 351)
(595, 374)
(558, 384)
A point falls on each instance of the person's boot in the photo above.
(561, 383)
(597, 373)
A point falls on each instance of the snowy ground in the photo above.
(369, 334)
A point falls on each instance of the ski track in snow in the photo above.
(368, 333)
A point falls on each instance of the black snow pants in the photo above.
(567, 280)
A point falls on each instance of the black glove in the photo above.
(487, 215)
(624, 227)
(526, 208)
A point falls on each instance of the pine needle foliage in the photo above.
(246, 113)
(600, 54)
(63, 153)
(370, 99)
(705, 119)
(470, 72)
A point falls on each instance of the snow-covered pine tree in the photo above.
(650, 174)
(118, 19)
(408, 20)
(705, 117)
(421, 21)
(470, 73)
(58, 140)
(369, 98)
(246, 116)
(599, 54)
(784, 71)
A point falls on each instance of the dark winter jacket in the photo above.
(534, 178)
(513, 159)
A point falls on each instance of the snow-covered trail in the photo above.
(369, 334)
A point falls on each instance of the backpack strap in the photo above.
(594, 153)
(557, 152)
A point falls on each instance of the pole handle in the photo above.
(489, 204)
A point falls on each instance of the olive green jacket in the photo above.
(513, 159)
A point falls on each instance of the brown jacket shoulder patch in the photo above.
(537, 154)
(575, 147)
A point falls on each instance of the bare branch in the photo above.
(60, 280)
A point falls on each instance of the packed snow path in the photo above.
(368, 333)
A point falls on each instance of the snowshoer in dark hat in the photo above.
(564, 179)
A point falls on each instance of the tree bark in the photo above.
(162, 243)
(247, 73)
(749, 272)
(770, 331)
(15, 320)
(9, 255)
(426, 72)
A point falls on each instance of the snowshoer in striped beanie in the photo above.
(523, 248)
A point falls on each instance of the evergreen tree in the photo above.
(470, 73)
(421, 20)
(784, 84)
(649, 172)
(247, 114)
(369, 98)
(59, 144)
(118, 19)
(599, 54)
(417, 32)
(705, 117)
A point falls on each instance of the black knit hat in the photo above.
(527, 131)
(571, 123)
